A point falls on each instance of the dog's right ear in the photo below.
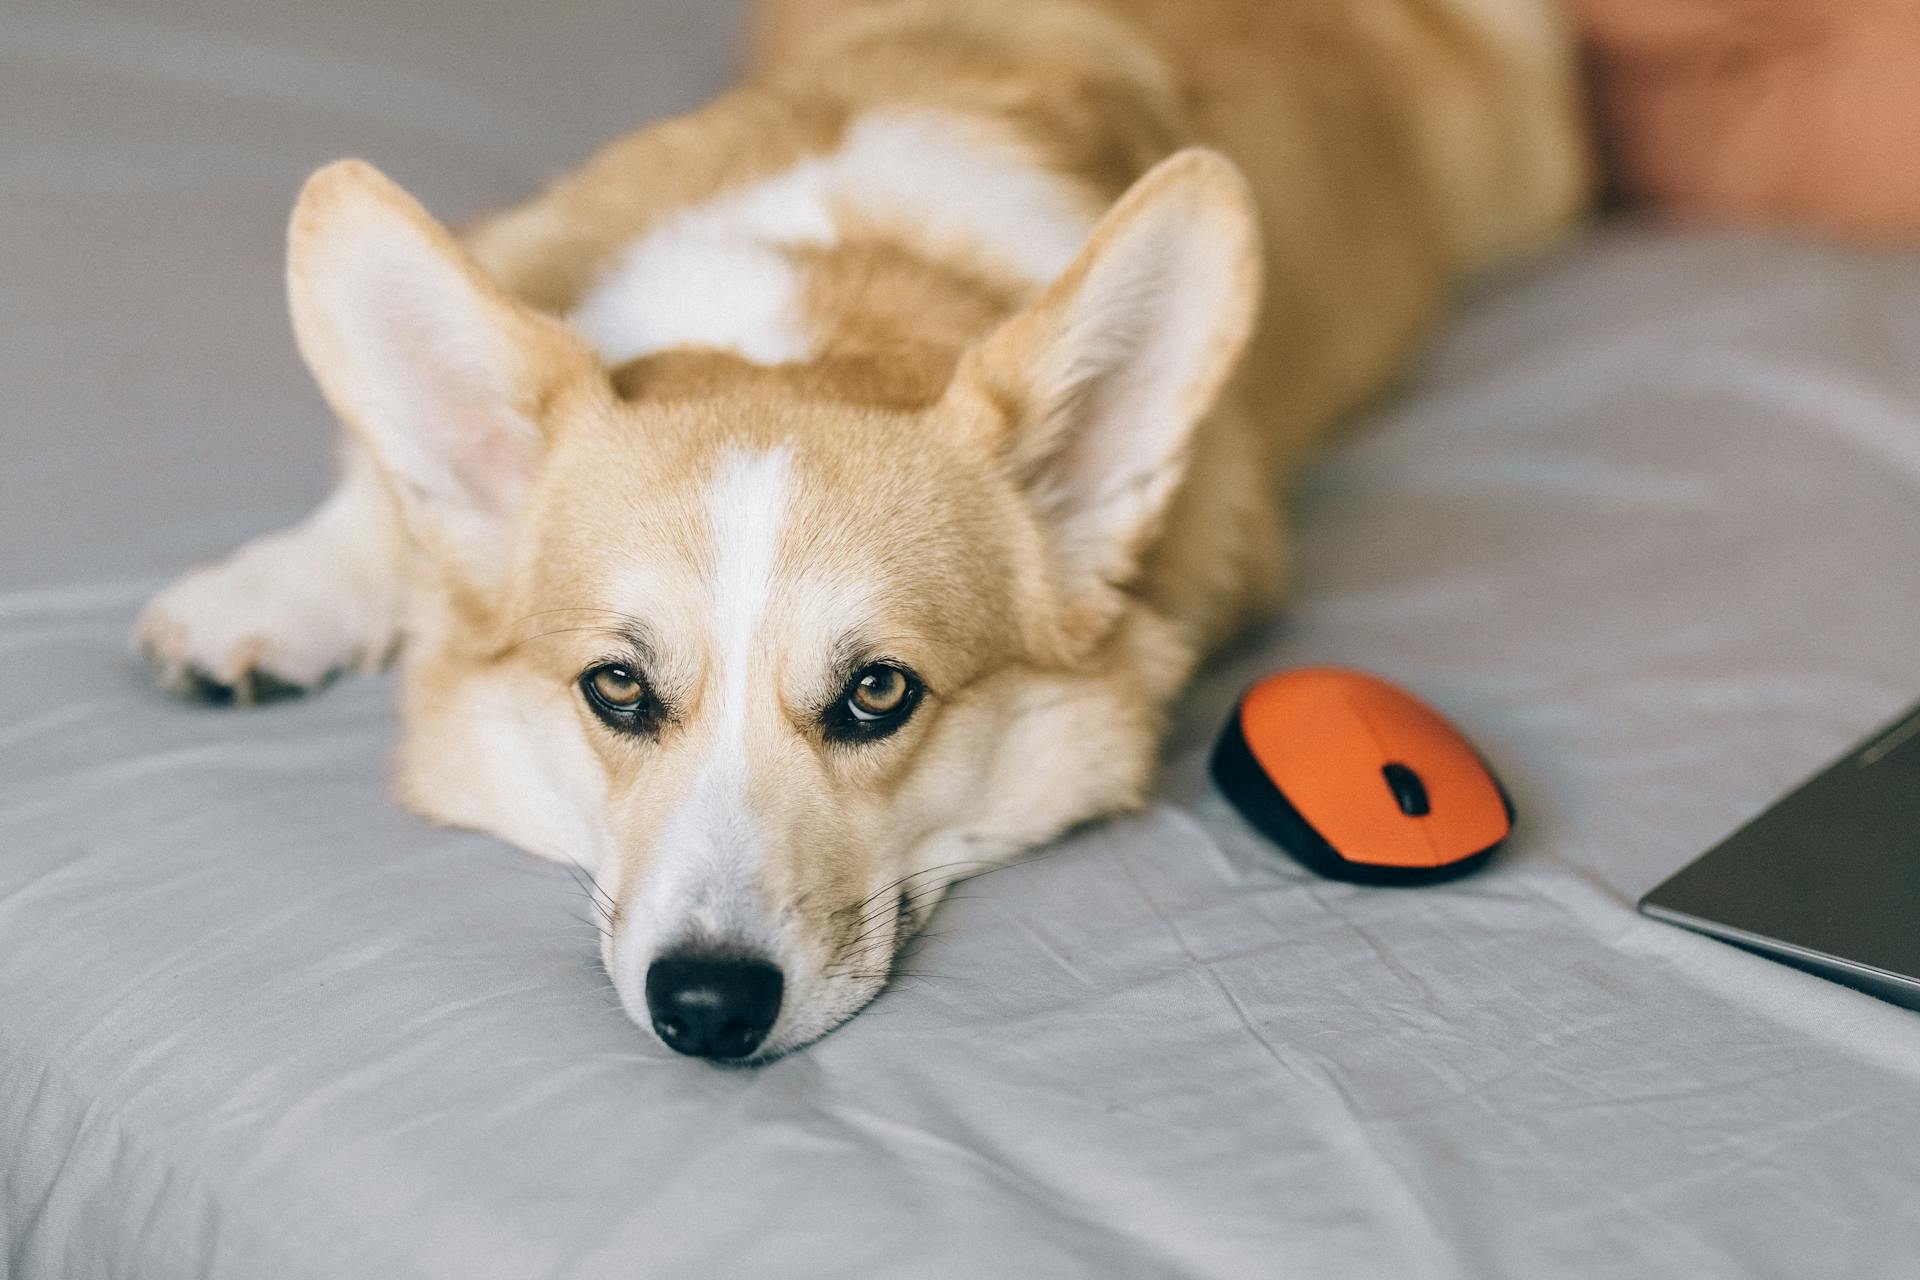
(444, 376)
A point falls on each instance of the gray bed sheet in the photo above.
(1647, 523)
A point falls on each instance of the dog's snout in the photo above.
(713, 1006)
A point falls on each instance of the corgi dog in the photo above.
(823, 496)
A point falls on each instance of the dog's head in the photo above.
(777, 664)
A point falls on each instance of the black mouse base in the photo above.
(1244, 783)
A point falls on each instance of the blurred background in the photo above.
(151, 155)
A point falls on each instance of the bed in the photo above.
(1646, 523)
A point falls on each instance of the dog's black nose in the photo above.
(713, 1006)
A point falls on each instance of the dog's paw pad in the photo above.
(250, 688)
(242, 680)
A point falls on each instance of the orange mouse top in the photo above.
(1358, 779)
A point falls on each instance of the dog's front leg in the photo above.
(288, 610)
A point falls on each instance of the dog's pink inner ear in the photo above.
(443, 375)
(1104, 377)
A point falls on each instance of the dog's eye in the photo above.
(618, 696)
(877, 692)
(875, 702)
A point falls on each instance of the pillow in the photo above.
(1804, 111)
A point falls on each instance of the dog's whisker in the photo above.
(880, 910)
(595, 893)
(557, 631)
(598, 909)
(907, 906)
(915, 894)
(872, 938)
(587, 880)
(914, 875)
(601, 930)
(599, 904)
(927, 871)
(633, 625)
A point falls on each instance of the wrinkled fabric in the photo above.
(1647, 524)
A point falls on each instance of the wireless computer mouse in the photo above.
(1359, 780)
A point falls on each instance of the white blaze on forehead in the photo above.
(703, 878)
(720, 274)
(746, 511)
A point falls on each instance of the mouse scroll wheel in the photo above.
(1408, 791)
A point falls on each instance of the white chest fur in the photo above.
(720, 274)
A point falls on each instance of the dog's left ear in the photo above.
(1096, 387)
(446, 378)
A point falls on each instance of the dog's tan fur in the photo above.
(941, 454)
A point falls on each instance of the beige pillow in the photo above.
(1763, 111)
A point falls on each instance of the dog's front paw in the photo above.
(281, 616)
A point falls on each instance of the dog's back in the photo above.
(1393, 145)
